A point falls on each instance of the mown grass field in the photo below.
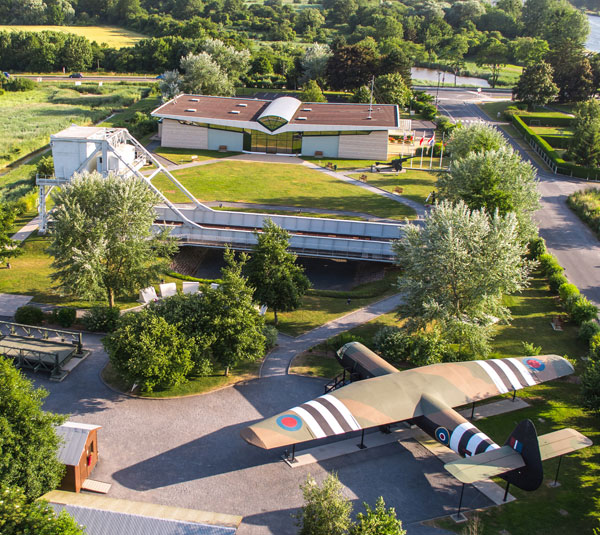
(113, 36)
(283, 184)
(181, 156)
(29, 117)
(416, 185)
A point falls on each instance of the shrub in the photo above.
(582, 310)
(344, 338)
(270, 333)
(65, 316)
(595, 346)
(556, 280)
(590, 386)
(427, 347)
(19, 84)
(588, 329)
(509, 112)
(531, 350)
(149, 352)
(45, 166)
(29, 315)
(567, 291)
(101, 319)
(549, 264)
(536, 247)
(392, 344)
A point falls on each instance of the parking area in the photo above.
(187, 452)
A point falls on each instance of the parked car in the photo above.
(6, 74)
(76, 75)
(160, 77)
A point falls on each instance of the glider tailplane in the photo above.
(524, 441)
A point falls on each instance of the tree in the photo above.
(362, 95)
(494, 55)
(148, 351)
(8, 247)
(453, 53)
(309, 19)
(234, 63)
(572, 73)
(280, 283)
(378, 521)
(76, 53)
(456, 269)
(590, 387)
(232, 318)
(314, 63)
(204, 77)
(28, 441)
(312, 92)
(19, 516)
(529, 50)
(102, 239)
(463, 11)
(170, 85)
(351, 66)
(494, 180)
(391, 89)
(535, 86)
(474, 138)
(585, 143)
(326, 511)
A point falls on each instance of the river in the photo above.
(593, 41)
(431, 75)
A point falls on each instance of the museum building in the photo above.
(281, 126)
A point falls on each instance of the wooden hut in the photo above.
(78, 452)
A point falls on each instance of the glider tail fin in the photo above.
(524, 440)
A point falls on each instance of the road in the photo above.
(571, 241)
(86, 78)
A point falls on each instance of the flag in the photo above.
(422, 139)
(431, 140)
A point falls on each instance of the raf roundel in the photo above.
(535, 364)
(289, 422)
(442, 435)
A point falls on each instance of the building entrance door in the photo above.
(285, 143)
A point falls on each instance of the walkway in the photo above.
(278, 361)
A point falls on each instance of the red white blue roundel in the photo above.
(289, 422)
(535, 364)
(442, 435)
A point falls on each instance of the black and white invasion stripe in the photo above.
(507, 374)
(467, 440)
(327, 416)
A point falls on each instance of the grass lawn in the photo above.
(297, 212)
(552, 130)
(180, 156)
(319, 307)
(509, 74)
(342, 164)
(196, 385)
(113, 36)
(29, 117)
(283, 184)
(30, 275)
(416, 185)
(19, 181)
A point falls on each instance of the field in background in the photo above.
(29, 117)
(111, 35)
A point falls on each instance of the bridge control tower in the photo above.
(80, 149)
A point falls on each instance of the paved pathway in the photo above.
(278, 361)
(27, 230)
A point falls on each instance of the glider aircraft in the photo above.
(425, 397)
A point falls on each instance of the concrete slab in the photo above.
(27, 230)
(10, 302)
(96, 486)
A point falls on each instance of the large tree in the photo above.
(391, 89)
(456, 268)
(535, 86)
(102, 240)
(585, 143)
(8, 247)
(494, 180)
(572, 73)
(28, 442)
(477, 137)
(280, 283)
(377, 521)
(203, 76)
(232, 318)
(493, 54)
(351, 66)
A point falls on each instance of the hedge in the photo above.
(182, 277)
(563, 167)
(547, 120)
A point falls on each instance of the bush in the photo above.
(19, 84)
(421, 348)
(567, 291)
(341, 339)
(536, 247)
(549, 264)
(392, 344)
(588, 329)
(531, 350)
(509, 112)
(594, 352)
(29, 315)
(556, 280)
(65, 316)
(147, 351)
(582, 310)
(590, 386)
(101, 319)
(45, 166)
(270, 333)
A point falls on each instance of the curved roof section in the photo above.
(282, 107)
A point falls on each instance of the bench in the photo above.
(222, 148)
(557, 323)
(363, 178)
(318, 153)
(398, 190)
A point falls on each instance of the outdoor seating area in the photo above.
(148, 295)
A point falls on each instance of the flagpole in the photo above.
(421, 146)
(431, 152)
(442, 150)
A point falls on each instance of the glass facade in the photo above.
(285, 143)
